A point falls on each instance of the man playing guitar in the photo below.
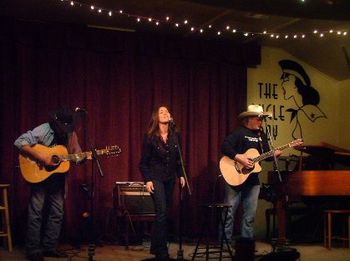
(58, 131)
(247, 136)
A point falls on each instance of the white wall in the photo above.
(334, 129)
(344, 113)
(268, 74)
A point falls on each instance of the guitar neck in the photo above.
(86, 154)
(270, 153)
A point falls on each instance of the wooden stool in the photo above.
(328, 214)
(5, 217)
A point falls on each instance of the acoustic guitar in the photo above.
(235, 173)
(34, 171)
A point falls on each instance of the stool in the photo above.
(328, 215)
(211, 210)
(5, 216)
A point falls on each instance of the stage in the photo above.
(310, 252)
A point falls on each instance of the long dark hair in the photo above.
(153, 126)
(309, 94)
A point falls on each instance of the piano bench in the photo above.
(328, 235)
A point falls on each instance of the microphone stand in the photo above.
(92, 243)
(92, 237)
(180, 255)
(271, 147)
(95, 158)
(285, 201)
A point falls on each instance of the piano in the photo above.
(322, 171)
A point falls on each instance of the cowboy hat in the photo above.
(63, 118)
(253, 110)
(295, 69)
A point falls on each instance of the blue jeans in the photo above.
(249, 196)
(45, 236)
(162, 197)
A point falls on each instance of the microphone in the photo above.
(266, 115)
(78, 109)
(171, 122)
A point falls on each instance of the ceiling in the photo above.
(329, 54)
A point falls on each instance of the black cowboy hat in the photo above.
(63, 118)
(292, 67)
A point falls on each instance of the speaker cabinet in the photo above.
(134, 198)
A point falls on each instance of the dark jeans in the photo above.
(162, 198)
(50, 193)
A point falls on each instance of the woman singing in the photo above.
(160, 165)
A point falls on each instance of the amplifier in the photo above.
(133, 197)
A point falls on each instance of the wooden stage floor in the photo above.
(310, 252)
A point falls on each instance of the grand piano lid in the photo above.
(333, 153)
(323, 148)
(315, 149)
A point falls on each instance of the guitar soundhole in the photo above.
(246, 170)
(242, 170)
(55, 159)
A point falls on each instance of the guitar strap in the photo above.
(53, 142)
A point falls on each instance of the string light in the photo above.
(191, 27)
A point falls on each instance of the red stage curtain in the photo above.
(118, 78)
